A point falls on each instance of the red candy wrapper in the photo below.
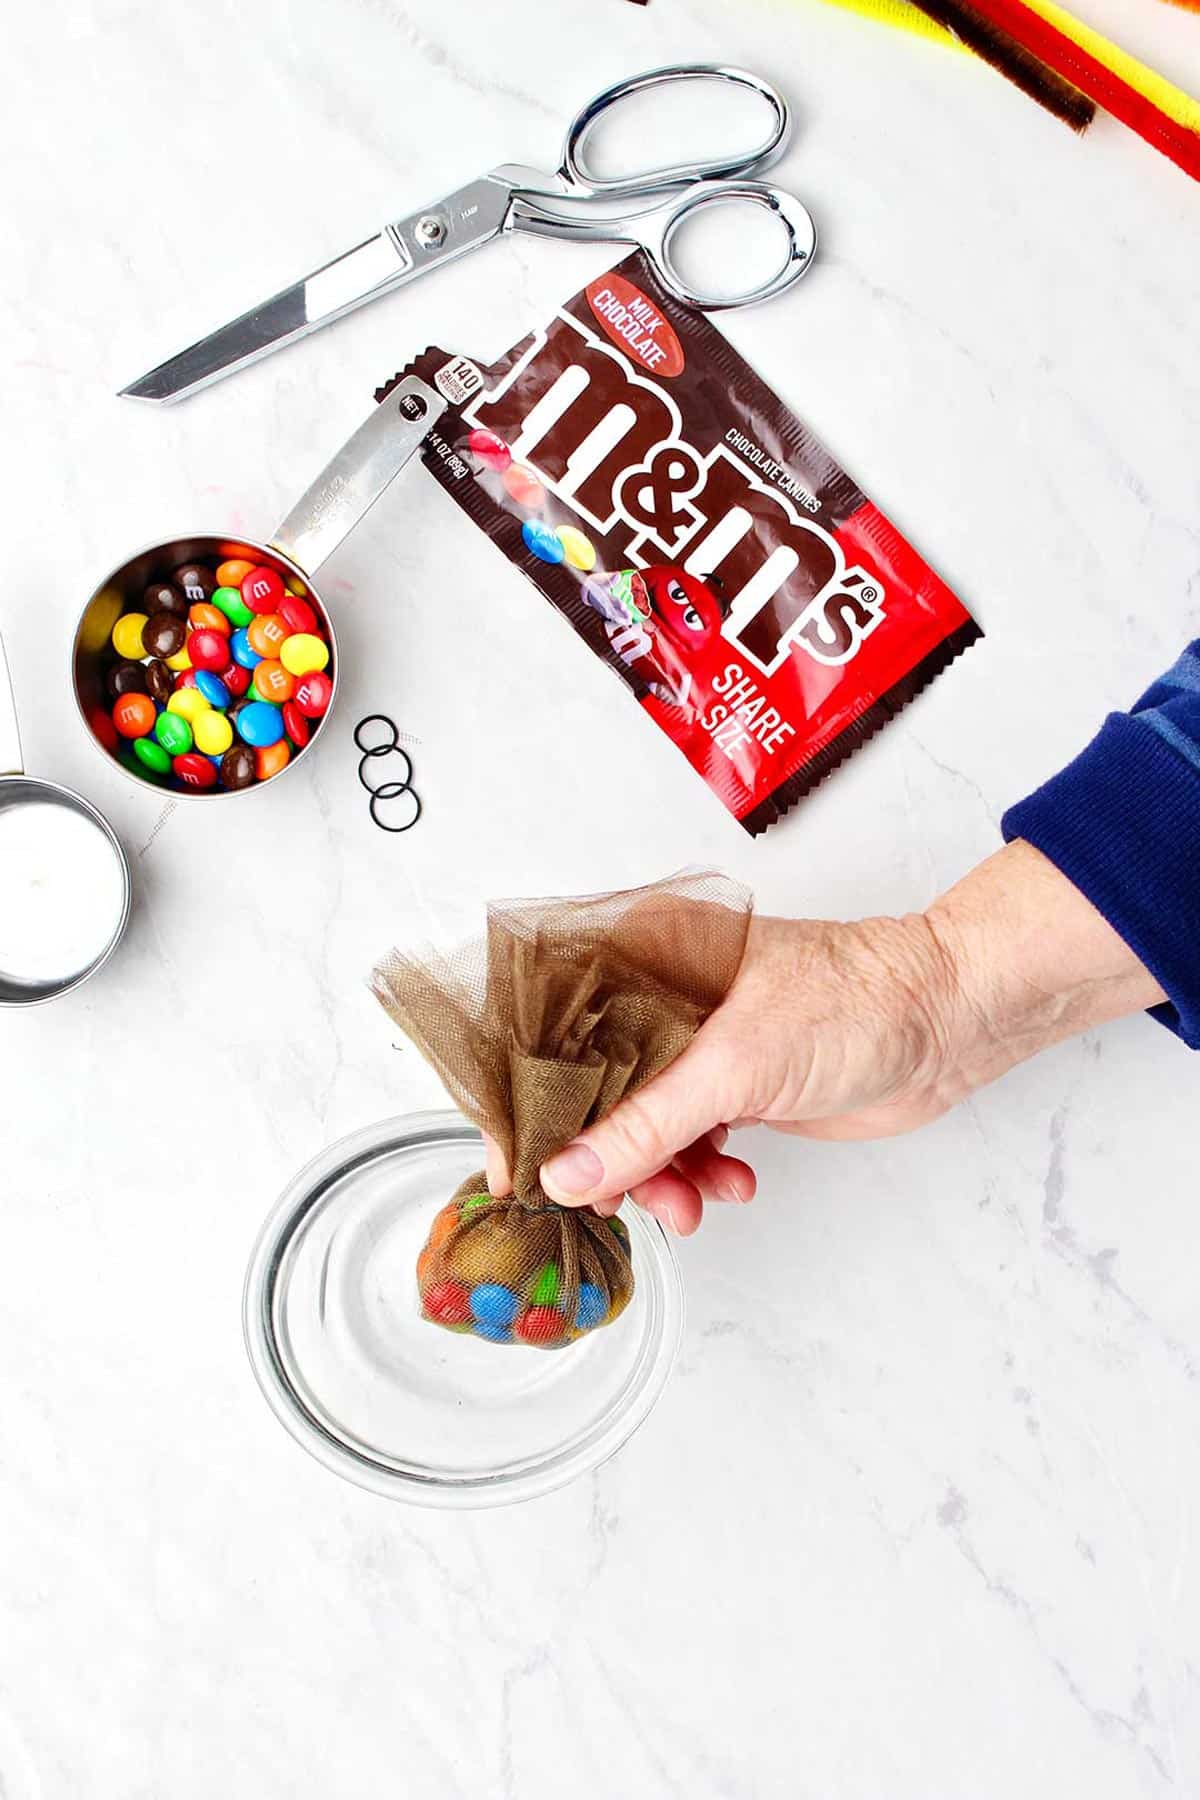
(765, 613)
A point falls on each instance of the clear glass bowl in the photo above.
(398, 1405)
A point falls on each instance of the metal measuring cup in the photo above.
(329, 509)
(26, 973)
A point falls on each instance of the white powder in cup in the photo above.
(61, 892)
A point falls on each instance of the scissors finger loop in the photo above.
(578, 171)
(800, 242)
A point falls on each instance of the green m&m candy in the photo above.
(151, 755)
(232, 605)
(173, 733)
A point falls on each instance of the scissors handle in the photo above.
(576, 170)
(655, 228)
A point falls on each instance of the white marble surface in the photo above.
(916, 1516)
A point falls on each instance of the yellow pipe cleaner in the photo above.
(1153, 87)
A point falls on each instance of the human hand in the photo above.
(857, 1030)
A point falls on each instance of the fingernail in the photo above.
(658, 1209)
(575, 1170)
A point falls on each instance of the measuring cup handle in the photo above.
(10, 736)
(799, 230)
(349, 486)
(575, 167)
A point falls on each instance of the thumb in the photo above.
(642, 1134)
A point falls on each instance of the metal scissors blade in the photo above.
(397, 254)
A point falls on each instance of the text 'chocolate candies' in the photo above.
(217, 677)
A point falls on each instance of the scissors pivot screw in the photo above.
(429, 231)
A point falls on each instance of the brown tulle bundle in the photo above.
(537, 1031)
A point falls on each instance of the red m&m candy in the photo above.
(540, 1325)
(236, 679)
(295, 724)
(297, 614)
(262, 590)
(209, 650)
(448, 1302)
(103, 728)
(194, 770)
(313, 694)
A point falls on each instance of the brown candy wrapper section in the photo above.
(766, 615)
(539, 1029)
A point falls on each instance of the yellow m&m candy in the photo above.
(189, 703)
(213, 732)
(127, 636)
(578, 550)
(303, 654)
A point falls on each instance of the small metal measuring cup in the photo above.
(342, 493)
(19, 791)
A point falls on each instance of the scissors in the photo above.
(515, 198)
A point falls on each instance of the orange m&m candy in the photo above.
(270, 758)
(233, 572)
(266, 633)
(134, 715)
(273, 681)
(203, 617)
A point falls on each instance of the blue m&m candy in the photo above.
(593, 1304)
(243, 650)
(493, 1307)
(546, 545)
(260, 724)
(213, 688)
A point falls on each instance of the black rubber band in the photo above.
(377, 749)
(392, 790)
(392, 749)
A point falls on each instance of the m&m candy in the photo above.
(215, 679)
(173, 733)
(543, 541)
(295, 724)
(152, 756)
(262, 590)
(243, 650)
(103, 728)
(260, 724)
(490, 450)
(272, 682)
(578, 549)
(203, 617)
(127, 636)
(134, 715)
(194, 770)
(448, 1302)
(213, 732)
(208, 649)
(303, 654)
(228, 600)
(313, 694)
(270, 758)
(266, 633)
(164, 635)
(195, 580)
(523, 486)
(494, 1305)
(232, 572)
(297, 614)
(188, 702)
(212, 687)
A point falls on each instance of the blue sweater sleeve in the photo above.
(1122, 822)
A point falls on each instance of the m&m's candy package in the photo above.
(696, 534)
(537, 1031)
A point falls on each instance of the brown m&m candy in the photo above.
(238, 767)
(160, 683)
(164, 634)
(127, 678)
(195, 580)
(164, 596)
